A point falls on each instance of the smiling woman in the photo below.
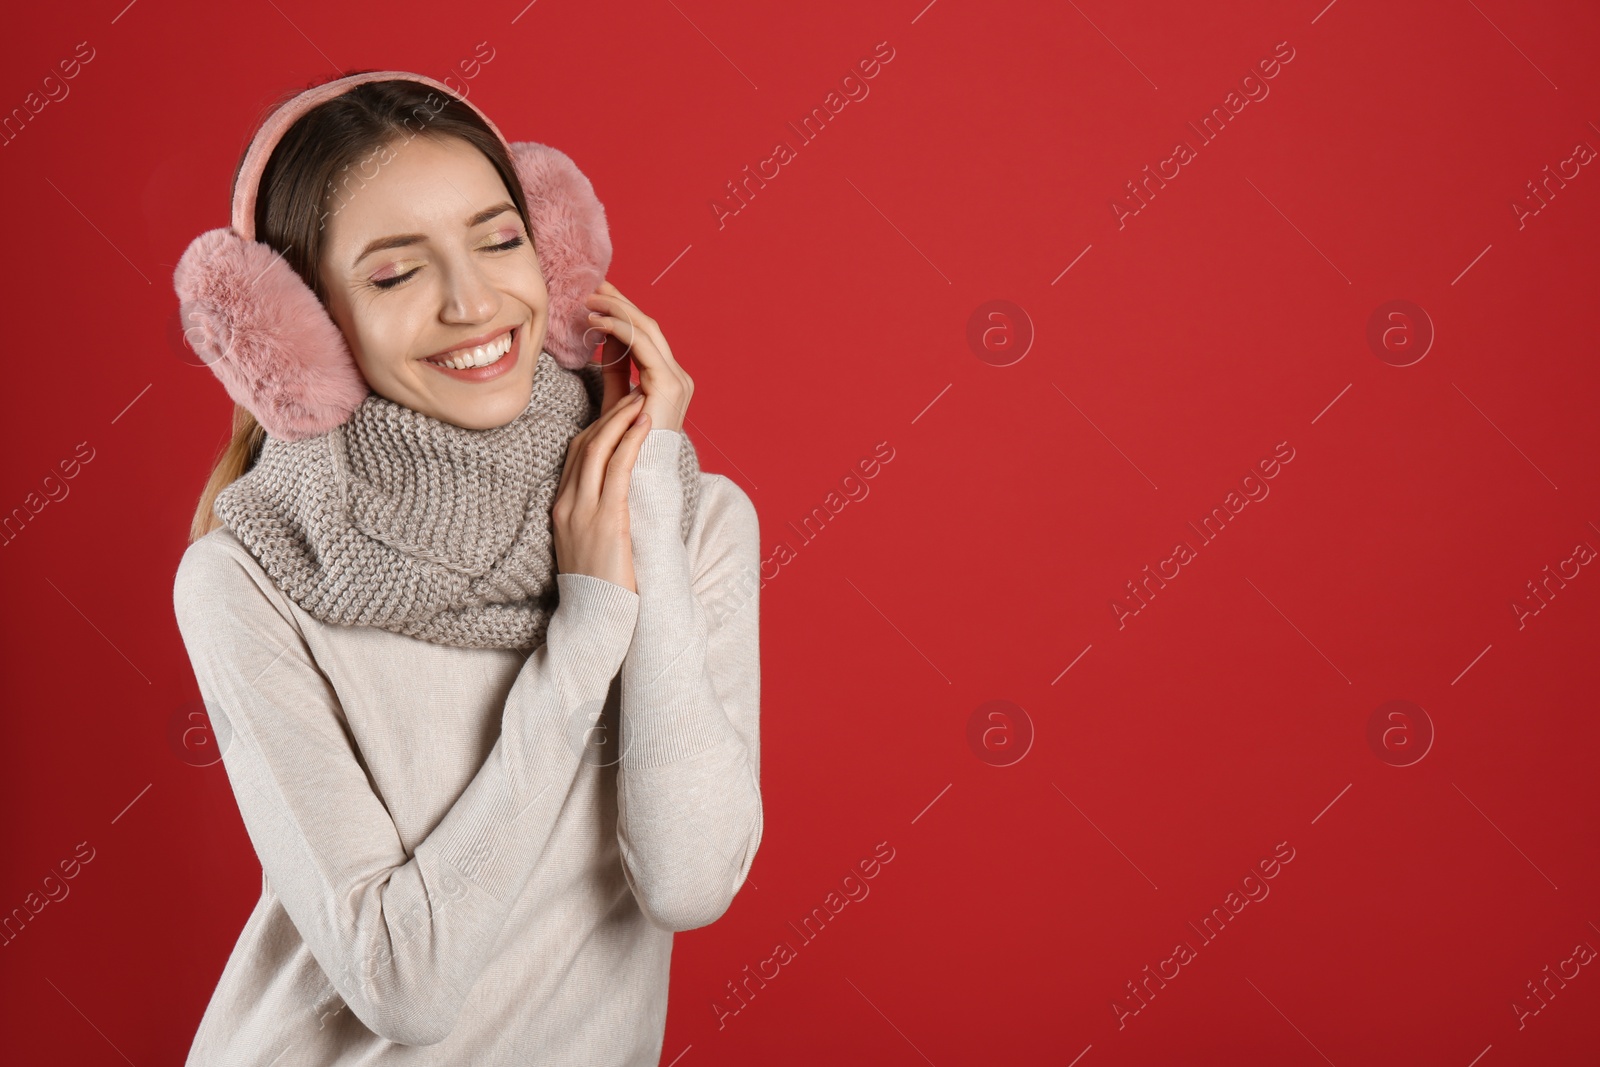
(445, 560)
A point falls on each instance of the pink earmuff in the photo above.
(267, 337)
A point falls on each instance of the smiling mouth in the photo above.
(483, 355)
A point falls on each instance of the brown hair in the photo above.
(306, 173)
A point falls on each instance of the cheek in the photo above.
(527, 281)
(382, 340)
(537, 298)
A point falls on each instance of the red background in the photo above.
(831, 313)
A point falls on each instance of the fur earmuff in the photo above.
(573, 245)
(264, 333)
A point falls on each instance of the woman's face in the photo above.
(446, 282)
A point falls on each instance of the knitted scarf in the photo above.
(404, 522)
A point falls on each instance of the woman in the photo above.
(445, 600)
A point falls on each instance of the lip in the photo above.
(499, 368)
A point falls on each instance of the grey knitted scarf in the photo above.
(404, 522)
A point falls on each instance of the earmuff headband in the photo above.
(248, 183)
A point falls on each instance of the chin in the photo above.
(492, 409)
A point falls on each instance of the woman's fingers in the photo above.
(638, 333)
(616, 368)
(605, 288)
(620, 336)
(622, 319)
(667, 386)
(591, 450)
(619, 473)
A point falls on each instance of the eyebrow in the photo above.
(402, 240)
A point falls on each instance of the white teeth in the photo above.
(481, 356)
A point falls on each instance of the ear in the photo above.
(572, 242)
(248, 315)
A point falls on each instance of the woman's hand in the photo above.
(590, 513)
(631, 333)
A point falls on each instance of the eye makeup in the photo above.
(504, 246)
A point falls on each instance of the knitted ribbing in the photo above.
(401, 521)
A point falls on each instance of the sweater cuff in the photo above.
(659, 453)
(601, 613)
(655, 497)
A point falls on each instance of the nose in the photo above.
(470, 295)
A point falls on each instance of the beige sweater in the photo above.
(456, 866)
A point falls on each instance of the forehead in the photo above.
(422, 185)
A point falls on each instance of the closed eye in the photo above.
(504, 246)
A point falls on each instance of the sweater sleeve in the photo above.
(402, 937)
(689, 815)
